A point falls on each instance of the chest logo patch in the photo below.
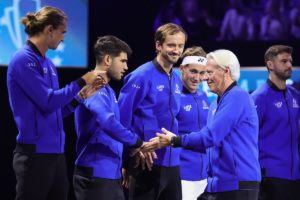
(160, 88)
(278, 104)
(187, 108)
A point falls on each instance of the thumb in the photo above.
(165, 131)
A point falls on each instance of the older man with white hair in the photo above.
(230, 137)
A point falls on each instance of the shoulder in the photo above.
(143, 72)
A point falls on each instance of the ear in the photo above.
(158, 46)
(107, 60)
(48, 29)
(270, 65)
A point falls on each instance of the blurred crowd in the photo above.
(228, 20)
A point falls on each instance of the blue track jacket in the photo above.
(150, 100)
(231, 137)
(279, 115)
(101, 135)
(37, 102)
(192, 117)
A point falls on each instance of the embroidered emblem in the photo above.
(278, 104)
(136, 86)
(177, 90)
(204, 105)
(160, 88)
(187, 108)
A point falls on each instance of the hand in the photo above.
(150, 146)
(145, 159)
(125, 180)
(91, 76)
(90, 89)
(165, 137)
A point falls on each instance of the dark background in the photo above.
(131, 21)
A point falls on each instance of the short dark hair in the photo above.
(274, 50)
(110, 45)
(36, 22)
(168, 29)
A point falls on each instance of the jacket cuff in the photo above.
(176, 141)
(81, 82)
(138, 143)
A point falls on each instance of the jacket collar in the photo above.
(34, 48)
(273, 86)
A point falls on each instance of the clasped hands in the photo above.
(146, 153)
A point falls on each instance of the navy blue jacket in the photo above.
(191, 118)
(231, 137)
(150, 100)
(37, 103)
(101, 135)
(279, 115)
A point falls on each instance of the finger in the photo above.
(153, 154)
(165, 131)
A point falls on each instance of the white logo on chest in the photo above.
(278, 104)
(160, 88)
(187, 108)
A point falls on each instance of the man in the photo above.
(230, 136)
(149, 100)
(279, 113)
(100, 134)
(38, 106)
(192, 117)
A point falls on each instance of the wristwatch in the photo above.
(174, 142)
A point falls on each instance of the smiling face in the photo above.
(118, 67)
(192, 75)
(215, 77)
(171, 49)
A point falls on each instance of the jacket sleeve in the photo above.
(225, 118)
(131, 95)
(33, 84)
(260, 103)
(99, 104)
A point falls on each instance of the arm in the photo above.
(131, 95)
(99, 104)
(31, 81)
(213, 133)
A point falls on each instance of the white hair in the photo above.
(225, 58)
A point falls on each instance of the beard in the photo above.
(283, 75)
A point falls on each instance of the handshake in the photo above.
(146, 153)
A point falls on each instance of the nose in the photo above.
(125, 67)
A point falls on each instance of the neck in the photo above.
(281, 84)
(40, 43)
(227, 83)
(103, 68)
(167, 66)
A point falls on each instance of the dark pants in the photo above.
(87, 187)
(40, 176)
(232, 195)
(279, 189)
(162, 183)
